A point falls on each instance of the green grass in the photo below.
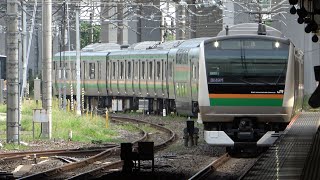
(84, 128)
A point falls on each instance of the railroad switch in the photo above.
(191, 134)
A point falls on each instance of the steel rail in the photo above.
(100, 171)
(79, 164)
(17, 155)
(211, 167)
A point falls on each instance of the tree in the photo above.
(85, 32)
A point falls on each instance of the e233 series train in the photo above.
(246, 85)
(250, 86)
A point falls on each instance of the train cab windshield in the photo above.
(246, 61)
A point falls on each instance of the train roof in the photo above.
(250, 29)
(139, 52)
(101, 47)
(169, 44)
(144, 45)
(192, 43)
(74, 53)
(247, 36)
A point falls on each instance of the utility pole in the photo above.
(47, 62)
(91, 23)
(120, 23)
(104, 35)
(64, 45)
(12, 72)
(78, 60)
(193, 17)
(139, 24)
(24, 47)
(25, 62)
(181, 17)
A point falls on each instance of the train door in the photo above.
(194, 80)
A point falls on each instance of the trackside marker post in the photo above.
(107, 119)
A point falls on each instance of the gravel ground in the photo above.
(177, 161)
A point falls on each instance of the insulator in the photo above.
(293, 10)
(300, 20)
(293, 2)
(315, 38)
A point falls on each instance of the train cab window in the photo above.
(150, 70)
(91, 70)
(143, 75)
(113, 70)
(129, 70)
(136, 70)
(158, 70)
(121, 70)
(170, 69)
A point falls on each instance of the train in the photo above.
(244, 85)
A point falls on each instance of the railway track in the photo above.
(57, 171)
(211, 168)
(226, 167)
(46, 153)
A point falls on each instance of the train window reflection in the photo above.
(158, 69)
(246, 61)
(91, 71)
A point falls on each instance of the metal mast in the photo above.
(12, 72)
(47, 61)
(78, 60)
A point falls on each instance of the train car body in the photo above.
(250, 87)
(246, 84)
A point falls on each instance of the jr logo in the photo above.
(280, 92)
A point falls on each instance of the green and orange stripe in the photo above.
(246, 99)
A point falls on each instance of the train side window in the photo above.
(150, 70)
(66, 68)
(164, 66)
(129, 70)
(143, 70)
(170, 68)
(121, 70)
(113, 70)
(136, 70)
(194, 71)
(99, 70)
(91, 70)
(158, 70)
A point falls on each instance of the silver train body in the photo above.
(244, 86)
(154, 80)
(250, 87)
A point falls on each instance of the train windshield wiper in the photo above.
(258, 79)
(281, 73)
(241, 79)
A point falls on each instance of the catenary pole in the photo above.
(12, 72)
(78, 60)
(47, 61)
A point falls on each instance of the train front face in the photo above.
(243, 91)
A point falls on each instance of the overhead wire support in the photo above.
(12, 72)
